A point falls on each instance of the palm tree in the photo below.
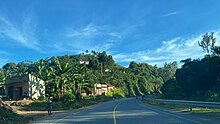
(44, 71)
(38, 68)
(61, 74)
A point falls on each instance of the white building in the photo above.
(24, 86)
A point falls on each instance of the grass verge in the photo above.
(59, 105)
(209, 112)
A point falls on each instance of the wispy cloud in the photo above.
(91, 31)
(90, 37)
(176, 49)
(171, 14)
(24, 34)
(96, 37)
(4, 52)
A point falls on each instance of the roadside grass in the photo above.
(210, 112)
(59, 105)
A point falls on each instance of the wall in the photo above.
(15, 93)
(36, 87)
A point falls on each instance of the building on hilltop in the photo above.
(101, 89)
(25, 86)
(84, 62)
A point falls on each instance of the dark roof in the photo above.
(109, 85)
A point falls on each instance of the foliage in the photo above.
(66, 78)
(70, 97)
(59, 105)
(208, 43)
(118, 93)
(197, 79)
(109, 94)
(9, 117)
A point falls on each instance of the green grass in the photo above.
(42, 105)
(211, 112)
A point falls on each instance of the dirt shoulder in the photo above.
(36, 114)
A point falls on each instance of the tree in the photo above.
(10, 69)
(61, 74)
(168, 71)
(22, 68)
(208, 43)
(216, 50)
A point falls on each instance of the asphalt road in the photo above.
(125, 111)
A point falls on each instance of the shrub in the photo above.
(9, 117)
(110, 94)
(118, 93)
(70, 97)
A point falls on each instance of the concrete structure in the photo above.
(101, 89)
(84, 62)
(24, 86)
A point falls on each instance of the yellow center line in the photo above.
(114, 113)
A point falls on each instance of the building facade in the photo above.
(102, 89)
(25, 86)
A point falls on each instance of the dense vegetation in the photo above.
(197, 79)
(9, 117)
(66, 79)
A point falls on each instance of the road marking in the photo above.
(114, 113)
(172, 114)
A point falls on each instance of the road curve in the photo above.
(124, 111)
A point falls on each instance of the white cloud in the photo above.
(217, 36)
(176, 49)
(90, 37)
(91, 31)
(95, 37)
(88, 31)
(24, 34)
(171, 14)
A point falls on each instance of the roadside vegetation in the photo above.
(9, 117)
(197, 79)
(59, 105)
(209, 112)
(66, 78)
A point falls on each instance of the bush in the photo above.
(118, 93)
(36, 105)
(110, 94)
(41, 98)
(70, 97)
(9, 117)
(212, 96)
(71, 104)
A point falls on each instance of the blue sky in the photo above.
(151, 31)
